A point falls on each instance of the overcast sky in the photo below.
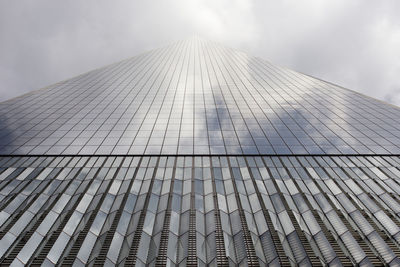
(354, 43)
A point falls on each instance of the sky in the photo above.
(355, 44)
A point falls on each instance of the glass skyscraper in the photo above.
(198, 155)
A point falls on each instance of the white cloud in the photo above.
(354, 44)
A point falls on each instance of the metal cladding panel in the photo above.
(196, 97)
(200, 210)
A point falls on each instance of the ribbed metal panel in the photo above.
(324, 210)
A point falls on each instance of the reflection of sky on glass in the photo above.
(196, 97)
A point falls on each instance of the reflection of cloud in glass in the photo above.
(197, 97)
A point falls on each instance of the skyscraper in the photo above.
(198, 154)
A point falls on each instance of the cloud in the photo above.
(354, 44)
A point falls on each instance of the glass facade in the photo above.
(196, 97)
(198, 155)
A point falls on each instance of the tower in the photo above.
(198, 154)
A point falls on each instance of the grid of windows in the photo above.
(196, 97)
(198, 211)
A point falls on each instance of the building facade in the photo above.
(198, 155)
